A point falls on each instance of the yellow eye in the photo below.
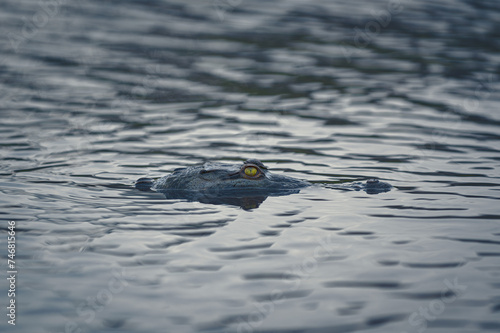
(250, 171)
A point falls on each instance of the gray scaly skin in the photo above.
(216, 178)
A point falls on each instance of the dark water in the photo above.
(95, 94)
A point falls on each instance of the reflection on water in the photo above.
(245, 201)
(94, 95)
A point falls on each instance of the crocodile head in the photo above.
(252, 175)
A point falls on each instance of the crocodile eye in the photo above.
(251, 171)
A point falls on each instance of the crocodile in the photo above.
(245, 185)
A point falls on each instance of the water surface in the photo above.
(95, 95)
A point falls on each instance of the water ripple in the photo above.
(96, 94)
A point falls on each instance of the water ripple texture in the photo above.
(97, 94)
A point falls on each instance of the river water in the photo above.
(96, 94)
